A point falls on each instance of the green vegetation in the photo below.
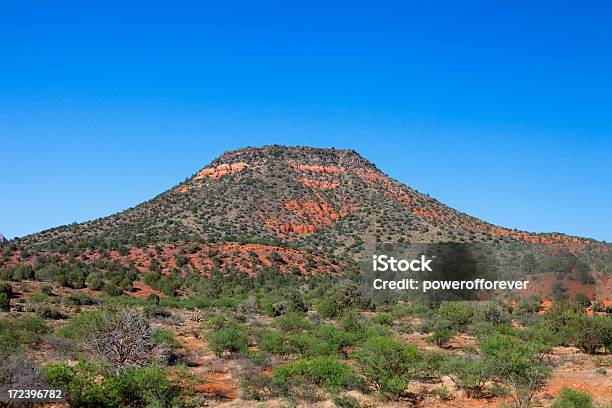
(91, 385)
(569, 398)
(388, 365)
(18, 332)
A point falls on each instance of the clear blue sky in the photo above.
(499, 109)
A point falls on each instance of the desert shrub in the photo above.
(517, 364)
(598, 306)
(5, 302)
(47, 290)
(89, 385)
(352, 323)
(569, 398)
(231, 338)
(582, 299)
(258, 387)
(112, 289)
(17, 273)
(562, 317)
(494, 313)
(6, 288)
(17, 332)
(49, 312)
(383, 318)
(165, 337)
(388, 364)
(120, 336)
(39, 297)
(348, 401)
(16, 373)
(459, 314)
(442, 335)
(273, 342)
(592, 333)
(292, 322)
(326, 373)
(338, 339)
(80, 298)
(307, 345)
(469, 374)
(328, 308)
(94, 281)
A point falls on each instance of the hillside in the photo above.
(316, 209)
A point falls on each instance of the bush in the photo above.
(328, 309)
(121, 337)
(517, 364)
(569, 398)
(89, 385)
(469, 374)
(459, 314)
(94, 281)
(47, 312)
(388, 364)
(7, 289)
(591, 334)
(16, 332)
(292, 322)
(165, 337)
(442, 335)
(18, 373)
(230, 339)
(383, 318)
(326, 373)
(5, 302)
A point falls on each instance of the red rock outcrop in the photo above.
(216, 172)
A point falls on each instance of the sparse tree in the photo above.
(122, 337)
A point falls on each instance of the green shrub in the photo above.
(231, 339)
(48, 312)
(326, 373)
(592, 333)
(89, 385)
(166, 337)
(569, 398)
(5, 302)
(338, 339)
(292, 322)
(39, 297)
(328, 308)
(388, 364)
(17, 332)
(348, 401)
(459, 314)
(469, 374)
(6, 288)
(94, 281)
(517, 364)
(274, 342)
(80, 325)
(383, 318)
(442, 335)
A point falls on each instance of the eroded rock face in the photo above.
(322, 184)
(2, 239)
(216, 172)
(319, 169)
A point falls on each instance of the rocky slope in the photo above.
(326, 203)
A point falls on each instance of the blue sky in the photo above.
(502, 110)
